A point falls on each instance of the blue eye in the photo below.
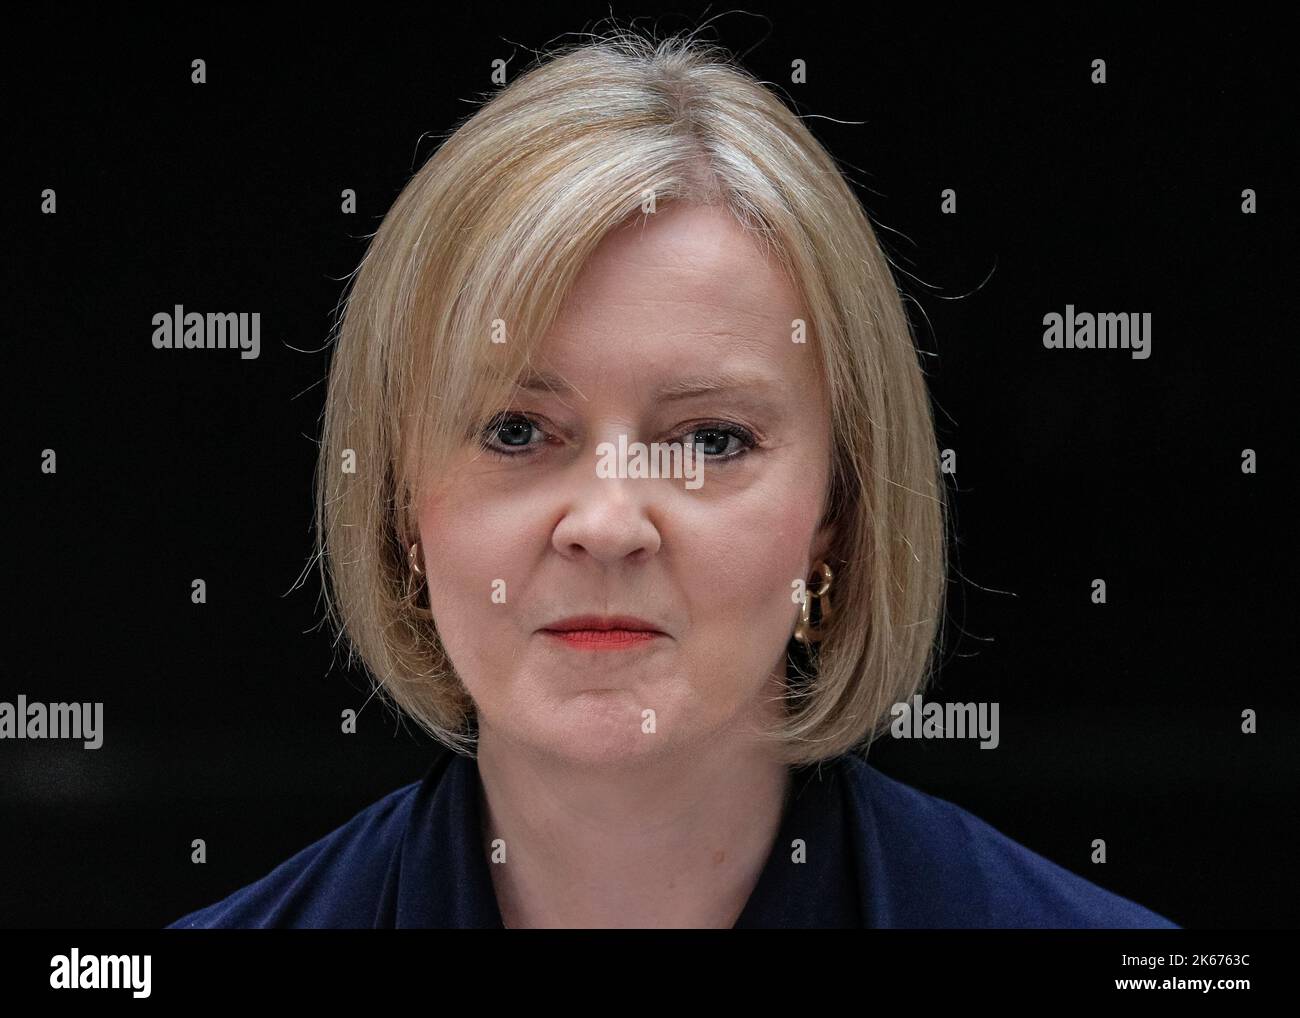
(726, 432)
(513, 432)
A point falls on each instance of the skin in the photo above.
(606, 825)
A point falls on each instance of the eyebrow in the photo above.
(682, 388)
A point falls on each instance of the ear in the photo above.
(822, 542)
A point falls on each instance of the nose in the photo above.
(608, 518)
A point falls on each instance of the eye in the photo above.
(512, 431)
(716, 436)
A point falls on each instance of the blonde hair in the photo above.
(492, 231)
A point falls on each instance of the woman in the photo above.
(629, 495)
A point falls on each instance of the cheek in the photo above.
(472, 558)
(475, 536)
(747, 557)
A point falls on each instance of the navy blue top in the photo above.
(878, 853)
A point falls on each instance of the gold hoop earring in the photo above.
(413, 559)
(803, 630)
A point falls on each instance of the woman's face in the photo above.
(522, 537)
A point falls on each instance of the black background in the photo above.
(222, 721)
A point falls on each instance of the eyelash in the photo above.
(744, 435)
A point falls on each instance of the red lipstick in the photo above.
(603, 632)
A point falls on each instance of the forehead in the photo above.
(681, 292)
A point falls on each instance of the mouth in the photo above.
(603, 632)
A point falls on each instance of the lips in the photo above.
(602, 624)
(604, 632)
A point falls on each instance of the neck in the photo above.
(676, 842)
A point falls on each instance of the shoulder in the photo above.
(336, 881)
(928, 862)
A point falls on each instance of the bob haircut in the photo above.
(483, 244)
